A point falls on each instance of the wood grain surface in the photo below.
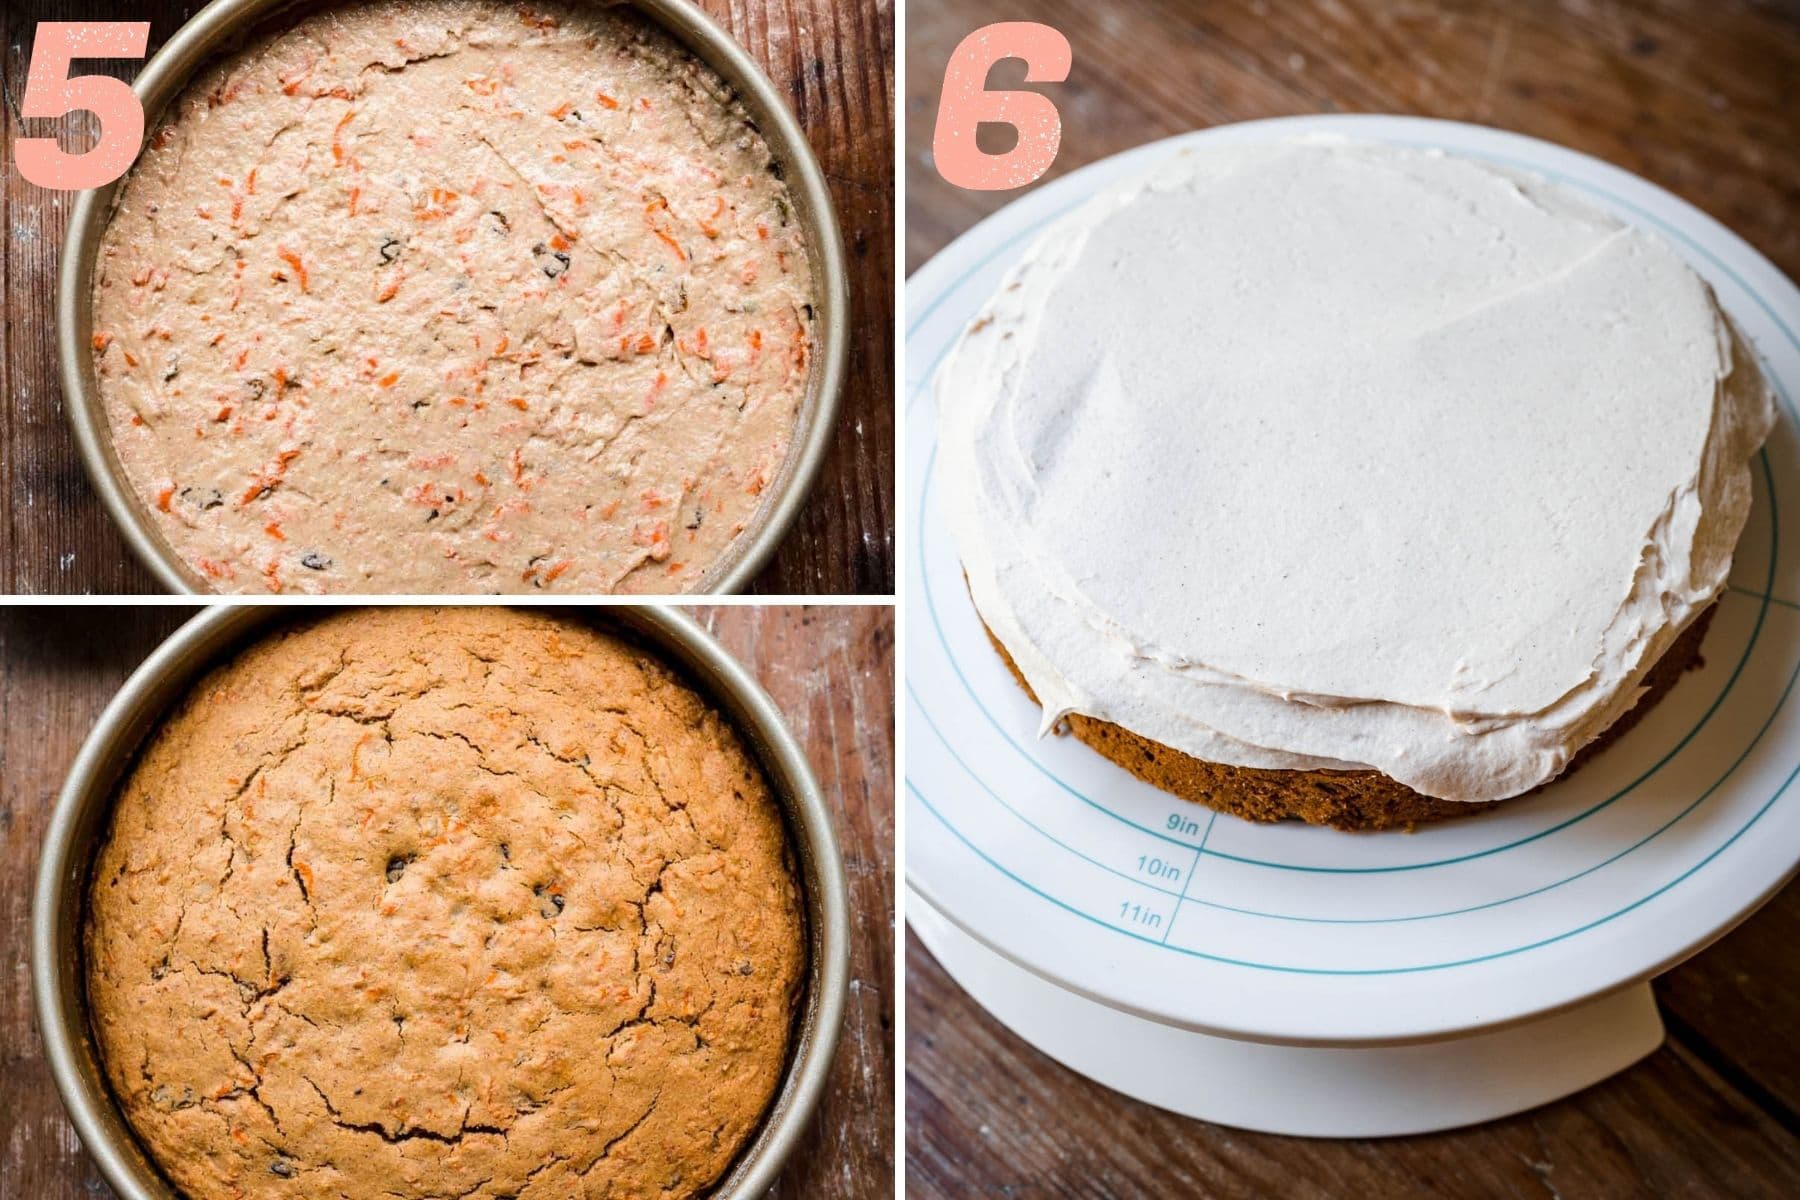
(1710, 1116)
(1697, 97)
(832, 59)
(830, 670)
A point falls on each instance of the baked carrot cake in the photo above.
(1344, 481)
(454, 296)
(427, 903)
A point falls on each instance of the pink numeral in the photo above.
(966, 104)
(51, 93)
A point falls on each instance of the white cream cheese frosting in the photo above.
(1324, 454)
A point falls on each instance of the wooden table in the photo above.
(829, 669)
(832, 59)
(1699, 98)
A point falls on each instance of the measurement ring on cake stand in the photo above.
(1360, 979)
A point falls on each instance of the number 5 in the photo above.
(51, 93)
(967, 104)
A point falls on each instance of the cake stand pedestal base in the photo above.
(1306, 1091)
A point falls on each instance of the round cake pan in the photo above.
(85, 803)
(218, 28)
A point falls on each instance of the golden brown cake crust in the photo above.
(444, 902)
(1347, 800)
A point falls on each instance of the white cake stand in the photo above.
(1308, 1091)
(1302, 981)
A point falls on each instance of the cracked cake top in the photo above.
(453, 296)
(432, 903)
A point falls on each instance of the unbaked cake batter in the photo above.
(454, 296)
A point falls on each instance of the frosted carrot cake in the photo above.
(454, 296)
(1347, 482)
(414, 903)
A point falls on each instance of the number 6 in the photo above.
(966, 104)
(51, 93)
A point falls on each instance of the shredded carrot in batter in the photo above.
(706, 226)
(291, 87)
(337, 144)
(650, 220)
(292, 259)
